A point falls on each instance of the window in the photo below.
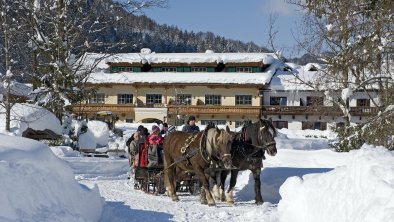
(216, 122)
(152, 99)
(97, 98)
(314, 125)
(239, 123)
(213, 99)
(126, 69)
(129, 120)
(199, 69)
(244, 69)
(314, 101)
(243, 100)
(168, 69)
(280, 124)
(363, 103)
(278, 101)
(183, 99)
(125, 98)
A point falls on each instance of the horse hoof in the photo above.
(204, 202)
(259, 202)
(211, 204)
(176, 199)
(230, 203)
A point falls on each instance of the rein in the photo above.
(262, 147)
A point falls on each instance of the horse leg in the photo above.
(230, 193)
(169, 178)
(257, 186)
(205, 186)
(203, 197)
(223, 176)
(216, 185)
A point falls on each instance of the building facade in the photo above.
(225, 88)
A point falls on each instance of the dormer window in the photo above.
(168, 69)
(278, 101)
(199, 69)
(244, 69)
(314, 101)
(363, 103)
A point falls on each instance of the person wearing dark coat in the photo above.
(191, 127)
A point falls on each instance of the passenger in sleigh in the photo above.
(155, 147)
(141, 159)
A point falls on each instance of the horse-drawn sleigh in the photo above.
(190, 160)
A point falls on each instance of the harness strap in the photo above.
(181, 159)
(262, 147)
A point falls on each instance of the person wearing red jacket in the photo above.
(155, 146)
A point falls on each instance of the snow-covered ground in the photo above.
(305, 181)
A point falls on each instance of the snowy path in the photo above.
(123, 203)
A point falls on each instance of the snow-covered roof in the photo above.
(17, 89)
(318, 76)
(184, 58)
(24, 116)
(182, 78)
(289, 80)
(101, 74)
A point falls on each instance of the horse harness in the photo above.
(243, 136)
(186, 155)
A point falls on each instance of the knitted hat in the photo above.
(190, 119)
(155, 128)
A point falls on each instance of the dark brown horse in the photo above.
(247, 152)
(197, 153)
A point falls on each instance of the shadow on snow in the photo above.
(271, 180)
(119, 212)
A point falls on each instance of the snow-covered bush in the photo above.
(97, 135)
(72, 129)
(377, 131)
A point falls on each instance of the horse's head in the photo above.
(261, 134)
(222, 146)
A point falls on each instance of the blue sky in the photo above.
(246, 20)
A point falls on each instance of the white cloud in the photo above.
(280, 7)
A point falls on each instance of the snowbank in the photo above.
(25, 116)
(38, 186)
(361, 190)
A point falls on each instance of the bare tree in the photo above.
(10, 65)
(63, 31)
(355, 39)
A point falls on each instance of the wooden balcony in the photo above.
(203, 109)
(363, 111)
(317, 110)
(301, 110)
(94, 108)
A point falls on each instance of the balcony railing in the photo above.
(93, 108)
(363, 111)
(203, 109)
(301, 110)
(316, 110)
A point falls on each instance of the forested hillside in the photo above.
(139, 31)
